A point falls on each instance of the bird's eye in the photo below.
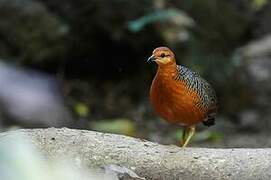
(163, 55)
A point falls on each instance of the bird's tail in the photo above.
(210, 119)
(209, 122)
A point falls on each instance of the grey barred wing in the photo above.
(207, 94)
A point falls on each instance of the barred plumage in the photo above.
(180, 95)
(205, 91)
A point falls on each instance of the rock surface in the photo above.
(147, 159)
(31, 99)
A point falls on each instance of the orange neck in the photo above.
(168, 70)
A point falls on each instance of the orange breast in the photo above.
(175, 102)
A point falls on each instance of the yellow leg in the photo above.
(187, 135)
(183, 136)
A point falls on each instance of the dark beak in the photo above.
(152, 58)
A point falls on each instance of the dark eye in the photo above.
(163, 55)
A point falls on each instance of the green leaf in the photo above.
(160, 15)
(118, 126)
(81, 109)
(202, 136)
(258, 4)
(208, 136)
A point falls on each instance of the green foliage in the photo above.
(30, 33)
(220, 24)
(81, 109)
(258, 4)
(208, 136)
(118, 126)
(201, 136)
(159, 16)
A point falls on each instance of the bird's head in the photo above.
(162, 56)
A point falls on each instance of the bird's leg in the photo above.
(183, 136)
(187, 135)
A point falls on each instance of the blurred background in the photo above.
(82, 64)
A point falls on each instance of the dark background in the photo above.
(82, 64)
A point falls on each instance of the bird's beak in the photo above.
(152, 58)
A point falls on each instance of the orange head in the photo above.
(162, 56)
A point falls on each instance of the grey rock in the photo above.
(147, 159)
(31, 98)
(254, 71)
(249, 119)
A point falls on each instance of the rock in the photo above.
(254, 71)
(257, 48)
(256, 64)
(31, 99)
(21, 160)
(122, 172)
(249, 120)
(144, 159)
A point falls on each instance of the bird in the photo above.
(180, 95)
